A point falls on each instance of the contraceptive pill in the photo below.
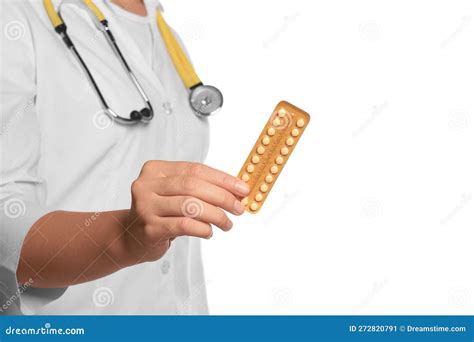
(271, 152)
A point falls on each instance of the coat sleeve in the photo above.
(22, 190)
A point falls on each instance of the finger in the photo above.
(211, 175)
(172, 227)
(216, 177)
(199, 188)
(152, 169)
(194, 208)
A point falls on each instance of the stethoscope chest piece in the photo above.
(205, 100)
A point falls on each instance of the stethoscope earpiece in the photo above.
(143, 115)
(135, 115)
(146, 114)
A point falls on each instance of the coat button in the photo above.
(165, 267)
(167, 108)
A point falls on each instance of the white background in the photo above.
(373, 214)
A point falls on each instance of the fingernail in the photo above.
(229, 225)
(212, 233)
(242, 187)
(238, 207)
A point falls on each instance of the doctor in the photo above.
(98, 216)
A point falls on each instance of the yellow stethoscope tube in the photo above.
(180, 61)
(204, 99)
(56, 19)
(52, 14)
(97, 12)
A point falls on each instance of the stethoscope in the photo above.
(205, 100)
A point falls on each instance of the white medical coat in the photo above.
(60, 152)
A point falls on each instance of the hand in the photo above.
(171, 199)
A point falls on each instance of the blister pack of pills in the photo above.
(271, 152)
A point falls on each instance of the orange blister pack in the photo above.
(271, 152)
